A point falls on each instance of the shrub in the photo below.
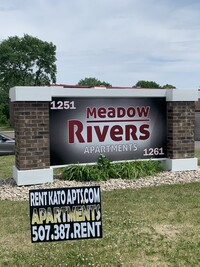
(105, 169)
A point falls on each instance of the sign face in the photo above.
(62, 214)
(83, 128)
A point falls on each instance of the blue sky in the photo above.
(119, 42)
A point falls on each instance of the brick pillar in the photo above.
(197, 121)
(181, 120)
(32, 135)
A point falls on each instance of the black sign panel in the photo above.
(120, 128)
(62, 214)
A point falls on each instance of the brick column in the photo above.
(197, 120)
(32, 140)
(181, 121)
(180, 136)
(32, 135)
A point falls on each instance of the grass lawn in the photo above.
(157, 226)
(5, 128)
(6, 163)
(197, 154)
(154, 227)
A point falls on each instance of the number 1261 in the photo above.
(153, 151)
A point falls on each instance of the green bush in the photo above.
(106, 169)
(3, 115)
(3, 120)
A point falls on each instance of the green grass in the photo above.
(6, 128)
(158, 226)
(197, 154)
(6, 163)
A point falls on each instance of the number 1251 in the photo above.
(62, 105)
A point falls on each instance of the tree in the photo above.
(147, 84)
(166, 86)
(151, 84)
(92, 82)
(25, 61)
